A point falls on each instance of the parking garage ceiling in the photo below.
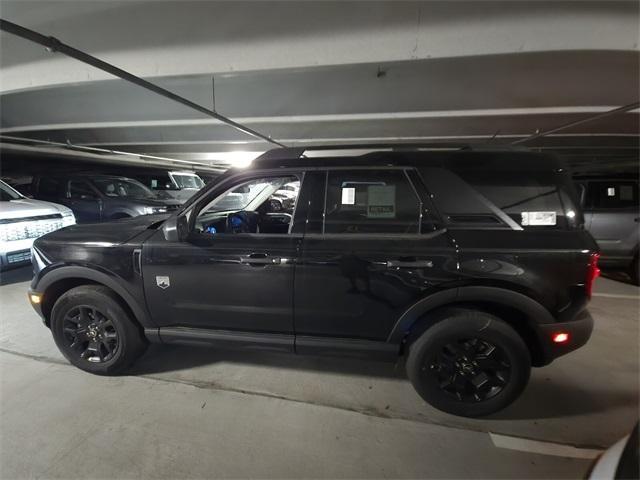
(327, 72)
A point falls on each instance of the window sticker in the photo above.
(348, 196)
(611, 192)
(381, 201)
(154, 183)
(533, 219)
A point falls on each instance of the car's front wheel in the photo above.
(94, 332)
(469, 363)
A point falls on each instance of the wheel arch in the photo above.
(522, 313)
(62, 279)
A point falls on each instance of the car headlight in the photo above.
(68, 218)
(152, 210)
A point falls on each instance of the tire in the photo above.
(94, 332)
(467, 336)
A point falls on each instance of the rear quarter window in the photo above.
(504, 192)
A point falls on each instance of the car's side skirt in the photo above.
(306, 345)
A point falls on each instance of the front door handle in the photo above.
(409, 264)
(260, 259)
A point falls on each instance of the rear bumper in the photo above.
(579, 331)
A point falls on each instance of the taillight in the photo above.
(593, 272)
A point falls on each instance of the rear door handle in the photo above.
(409, 264)
(260, 259)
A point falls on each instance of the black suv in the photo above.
(473, 265)
(95, 198)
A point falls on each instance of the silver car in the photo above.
(22, 220)
(611, 215)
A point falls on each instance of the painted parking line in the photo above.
(616, 295)
(543, 448)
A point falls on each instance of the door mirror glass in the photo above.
(176, 229)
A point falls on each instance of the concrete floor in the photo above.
(188, 412)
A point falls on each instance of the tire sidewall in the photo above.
(466, 325)
(109, 307)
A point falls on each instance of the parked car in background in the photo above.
(473, 265)
(21, 183)
(283, 200)
(620, 461)
(95, 198)
(611, 215)
(180, 185)
(22, 220)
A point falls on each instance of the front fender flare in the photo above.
(106, 278)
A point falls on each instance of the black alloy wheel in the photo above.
(91, 335)
(470, 370)
(94, 330)
(468, 362)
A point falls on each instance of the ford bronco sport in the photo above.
(473, 265)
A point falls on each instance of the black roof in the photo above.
(485, 157)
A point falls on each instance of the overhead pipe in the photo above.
(625, 108)
(54, 45)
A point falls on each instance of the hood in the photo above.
(156, 202)
(104, 234)
(27, 207)
(181, 195)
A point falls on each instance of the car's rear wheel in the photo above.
(94, 332)
(469, 363)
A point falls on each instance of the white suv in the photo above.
(22, 220)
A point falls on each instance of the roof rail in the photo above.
(291, 153)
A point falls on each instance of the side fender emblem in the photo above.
(163, 282)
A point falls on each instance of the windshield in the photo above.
(123, 187)
(7, 193)
(187, 180)
(241, 197)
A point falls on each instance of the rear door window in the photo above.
(371, 201)
(615, 194)
(80, 189)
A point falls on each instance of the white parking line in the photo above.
(542, 448)
(616, 295)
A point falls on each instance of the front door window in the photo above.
(261, 205)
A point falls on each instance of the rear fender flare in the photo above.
(534, 311)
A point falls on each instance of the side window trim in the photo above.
(420, 202)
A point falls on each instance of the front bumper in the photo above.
(579, 331)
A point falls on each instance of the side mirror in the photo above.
(182, 227)
(176, 229)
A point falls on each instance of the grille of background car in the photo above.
(12, 229)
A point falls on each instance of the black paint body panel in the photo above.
(328, 293)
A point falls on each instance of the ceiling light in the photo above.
(236, 159)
